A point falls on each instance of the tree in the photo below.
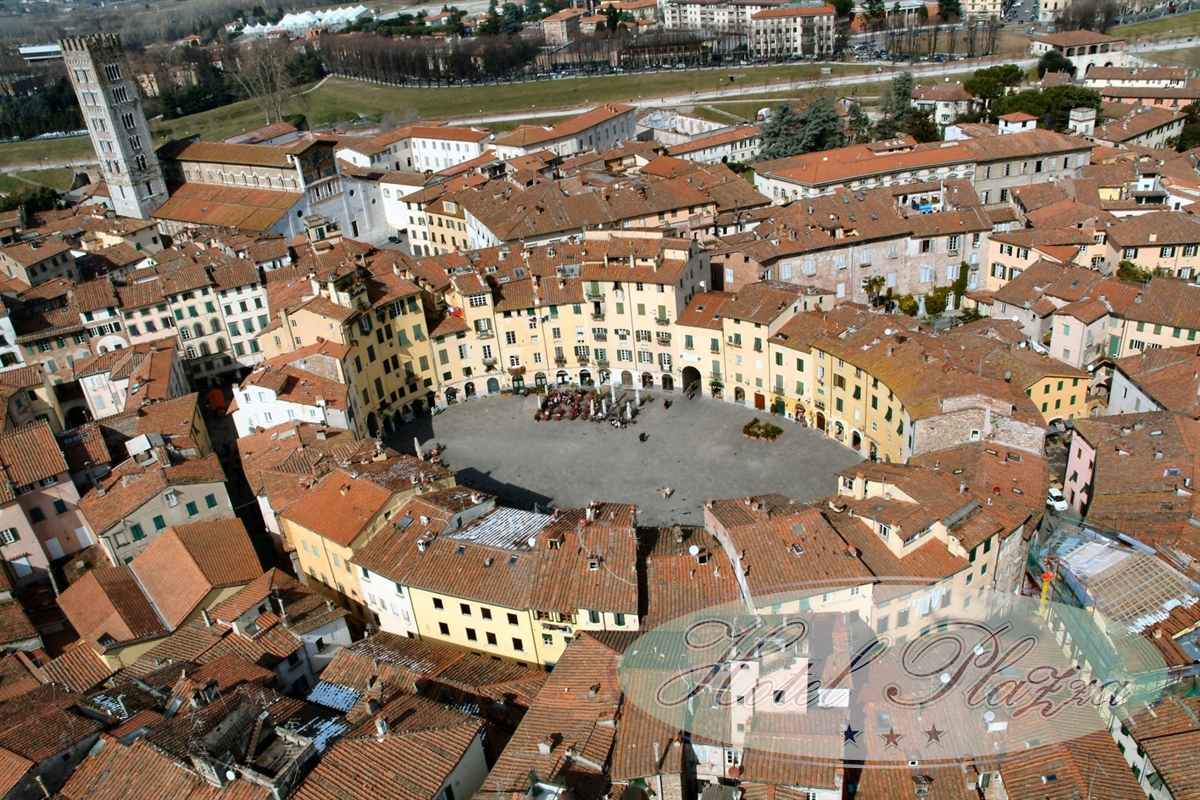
(263, 74)
(858, 125)
(843, 8)
(612, 18)
(1052, 106)
(988, 84)
(1129, 271)
(532, 8)
(1189, 137)
(1054, 61)
(921, 126)
(896, 105)
(34, 199)
(788, 134)
(949, 9)
(876, 10)
(511, 16)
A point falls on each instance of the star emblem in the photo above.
(850, 735)
(933, 735)
(892, 738)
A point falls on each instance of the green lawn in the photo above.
(60, 178)
(20, 152)
(10, 184)
(1168, 27)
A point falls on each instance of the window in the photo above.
(9, 535)
(594, 617)
(491, 638)
(443, 629)
(437, 603)
(60, 507)
(619, 619)
(547, 640)
(471, 637)
(136, 532)
(1166, 252)
(159, 523)
(210, 500)
(36, 514)
(518, 645)
(192, 510)
(486, 613)
(465, 608)
(512, 619)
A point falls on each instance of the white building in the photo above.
(804, 30)
(416, 148)
(596, 130)
(298, 25)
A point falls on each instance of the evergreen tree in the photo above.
(612, 18)
(820, 127)
(920, 126)
(949, 9)
(858, 127)
(896, 105)
(781, 134)
(1054, 61)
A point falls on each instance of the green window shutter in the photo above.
(159, 523)
(641, 309)
(192, 509)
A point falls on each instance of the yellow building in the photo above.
(515, 585)
(340, 515)
(1058, 389)
(700, 342)
(380, 317)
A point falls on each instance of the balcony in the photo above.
(602, 362)
(594, 297)
(600, 337)
(484, 334)
(664, 339)
(598, 317)
(662, 321)
(488, 362)
(715, 351)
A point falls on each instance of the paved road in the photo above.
(696, 447)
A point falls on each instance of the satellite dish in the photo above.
(989, 715)
(694, 550)
(230, 775)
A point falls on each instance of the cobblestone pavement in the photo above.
(695, 447)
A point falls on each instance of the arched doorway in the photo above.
(418, 407)
(647, 380)
(469, 389)
(839, 431)
(856, 440)
(389, 424)
(518, 383)
(451, 396)
(780, 407)
(820, 421)
(493, 386)
(561, 376)
(585, 378)
(760, 401)
(668, 383)
(397, 420)
(539, 380)
(627, 378)
(77, 416)
(372, 424)
(691, 377)
(739, 396)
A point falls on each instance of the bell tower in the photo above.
(108, 97)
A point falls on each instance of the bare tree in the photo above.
(263, 74)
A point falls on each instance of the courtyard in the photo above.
(695, 447)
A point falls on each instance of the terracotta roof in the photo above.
(44, 723)
(186, 562)
(229, 206)
(1076, 38)
(15, 626)
(128, 487)
(410, 762)
(258, 155)
(1144, 120)
(675, 581)
(1090, 765)
(847, 163)
(705, 310)
(1156, 230)
(796, 11)
(1168, 375)
(527, 136)
(80, 667)
(339, 507)
(566, 713)
(763, 302)
(30, 454)
(115, 772)
(107, 606)
(21, 672)
(942, 92)
(1168, 301)
(296, 385)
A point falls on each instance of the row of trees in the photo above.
(427, 61)
(50, 109)
(267, 70)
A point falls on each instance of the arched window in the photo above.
(191, 351)
(198, 329)
(221, 345)
(185, 332)
(215, 324)
(204, 348)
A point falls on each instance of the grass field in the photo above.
(1167, 27)
(60, 179)
(10, 184)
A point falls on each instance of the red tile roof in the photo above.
(339, 507)
(107, 606)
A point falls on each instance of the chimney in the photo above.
(962, 487)
(546, 746)
(282, 610)
(381, 728)
(124, 708)
(345, 490)
(207, 619)
(890, 351)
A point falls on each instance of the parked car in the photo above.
(1055, 500)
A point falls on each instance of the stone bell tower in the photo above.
(108, 97)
